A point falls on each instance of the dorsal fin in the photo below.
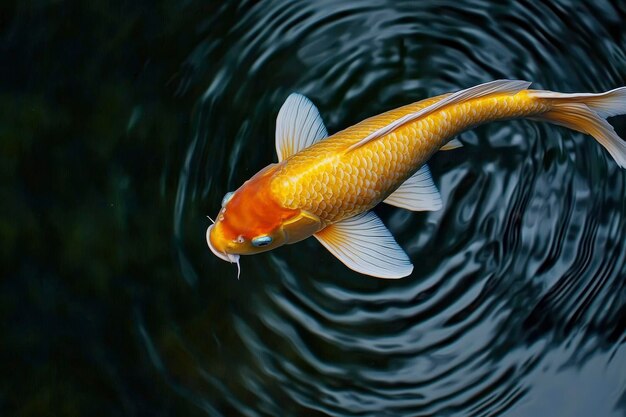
(481, 90)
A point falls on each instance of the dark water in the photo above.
(123, 125)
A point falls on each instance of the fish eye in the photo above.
(261, 241)
(227, 198)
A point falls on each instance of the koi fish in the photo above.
(325, 186)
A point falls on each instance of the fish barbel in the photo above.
(325, 186)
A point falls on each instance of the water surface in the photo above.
(136, 121)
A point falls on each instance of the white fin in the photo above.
(365, 245)
(585, 113)
(610, 103)
(418, 193)
(482, 90)
(579, 117)
(298, 126)
(453, 144)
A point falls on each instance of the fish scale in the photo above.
(325, 188)
(334, 184)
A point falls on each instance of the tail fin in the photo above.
(586, 113)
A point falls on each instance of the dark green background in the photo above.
(107, 308)
(92, 119)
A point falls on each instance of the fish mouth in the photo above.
(228, 257)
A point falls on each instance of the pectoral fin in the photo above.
(364, 244)
(301, 227)
(418, 193)
(298, 126)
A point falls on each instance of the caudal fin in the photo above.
(586, 113)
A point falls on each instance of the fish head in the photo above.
(252, 221)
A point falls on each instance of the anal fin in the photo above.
(453, 144)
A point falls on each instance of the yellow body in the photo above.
(325, 187)
(333, 183)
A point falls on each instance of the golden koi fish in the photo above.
(326, 186)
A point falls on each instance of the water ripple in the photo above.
(518, 279)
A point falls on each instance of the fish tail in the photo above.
(587, 113)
